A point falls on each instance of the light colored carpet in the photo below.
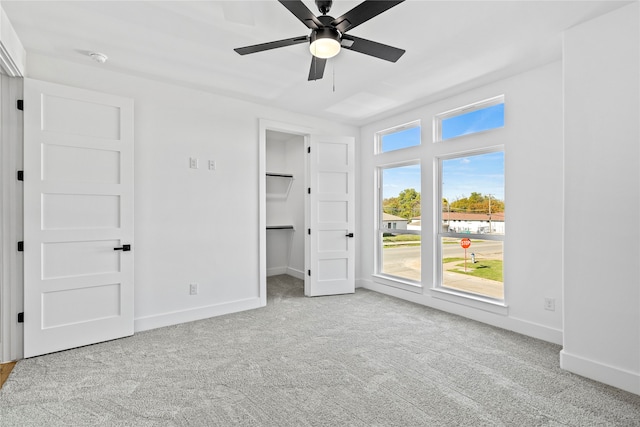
(355, 360)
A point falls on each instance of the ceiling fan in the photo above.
(328, 33)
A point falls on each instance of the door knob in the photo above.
(124, 248)
(349, 235)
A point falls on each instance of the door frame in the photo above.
(12, 66)
(264, 126)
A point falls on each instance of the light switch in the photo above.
(212, 165)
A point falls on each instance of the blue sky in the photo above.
(403, 139)
(397, 179)
(476, 121)
(483, 173)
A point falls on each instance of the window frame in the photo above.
(439, 234)
(400, 128)
(379, 275)
(469, 108)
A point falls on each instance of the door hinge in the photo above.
(308, 149)
(309, 190)
(309, 272)
(20, 317)
(20, 246)
(308, 231)
(20, 104)
(20, 176)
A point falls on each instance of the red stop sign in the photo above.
(465, 242)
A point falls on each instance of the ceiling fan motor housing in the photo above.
(328, 34)
(324, 6)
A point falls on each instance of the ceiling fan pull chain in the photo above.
(334, 79)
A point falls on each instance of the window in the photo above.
(473, 224)
(478, 117)
(399, 137)
(399, 211)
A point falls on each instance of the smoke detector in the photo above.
(100, 58)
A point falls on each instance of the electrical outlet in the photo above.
(193, 289)
(193, 163)
(212, 165)
(550, 304)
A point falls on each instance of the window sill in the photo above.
(492, 306)
(397, 283)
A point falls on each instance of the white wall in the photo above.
(532, 139)
(190, 225)
(602, 156)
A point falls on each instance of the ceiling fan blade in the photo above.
(271, 45)
(303, 13)
(362, 13)
(317, 68)
(368, 47)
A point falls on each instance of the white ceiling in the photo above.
(451, 46)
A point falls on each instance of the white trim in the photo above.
(276, 271)
(496, 307)
(12, 53)
(176, 317)
(295, 273)
(12, 58)
(397, 282)
(616, 377)
(11, 221)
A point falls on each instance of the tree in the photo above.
(405, 205)
(477, 203)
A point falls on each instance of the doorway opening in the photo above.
(283, 204)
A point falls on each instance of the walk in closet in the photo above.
(285, 180)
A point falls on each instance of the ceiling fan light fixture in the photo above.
(325, 43)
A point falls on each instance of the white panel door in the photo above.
(78, 207)
(332, 216)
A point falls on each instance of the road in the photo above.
(484, 249)
(404, 261)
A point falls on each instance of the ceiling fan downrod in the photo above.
(324, 6)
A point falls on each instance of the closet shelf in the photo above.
(280, 175)
(278, 185)
(281, 227)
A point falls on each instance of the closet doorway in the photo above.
(285, 203)
(307, 208)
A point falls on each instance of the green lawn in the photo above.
(487, 269)
(402, 238)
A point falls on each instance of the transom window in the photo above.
(470, 119)
(398, 138)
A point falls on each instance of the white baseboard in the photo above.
(295, 273)
(520, 326)
(620, 378)
(276, 271)
(191, 315)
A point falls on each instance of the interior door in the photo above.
(78, 207)
(332, 216)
